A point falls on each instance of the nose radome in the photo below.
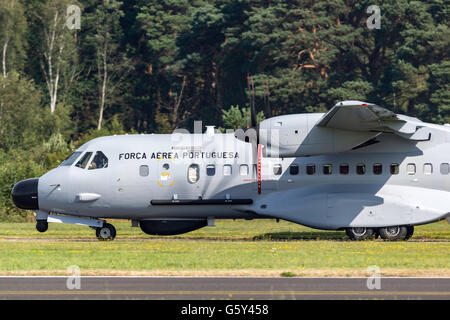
(25, 194)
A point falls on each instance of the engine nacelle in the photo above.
(169, 227)
(297, 135)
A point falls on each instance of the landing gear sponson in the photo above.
(104, 231)
(391, 233)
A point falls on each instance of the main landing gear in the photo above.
(391, 233)
(105, 233)
(359, 234)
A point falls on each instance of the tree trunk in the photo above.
(50, 67)
(52, 79)
(175, 114)
(5, 47)
(103, 92)
(218, 86)
(267, 108)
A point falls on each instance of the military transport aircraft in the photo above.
(359, 167)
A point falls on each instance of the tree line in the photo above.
(154, 66)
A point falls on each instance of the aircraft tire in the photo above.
(41, 225)
(358, 234)
(106, 233)
(410, 232)
(394, 233)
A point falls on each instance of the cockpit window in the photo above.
(71, 159)
(84, 160)
(100, 161)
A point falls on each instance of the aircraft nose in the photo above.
(25, 194)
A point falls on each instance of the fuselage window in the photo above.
(311, 169)
(395, 168)
(166, 166)
(427, 168)
(445, 168)
(144, 171)
(70, 159)
(327, 169)
(100, 161)
(344, 168)
(360, 168)
(210, 170)
(293, 169)
(227, 170)
(411, 168)
(84, 160)
(377, 168)
(243, 170)
(193, 173)
(277, 169)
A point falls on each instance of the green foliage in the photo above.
(111, 128)
(237, 254)
(12, 34)
(55, 143)
(236, 118)
(55, 49)
(55, 150)
(21, 116)
(288, 274)
(439, 86)
(108, 59)
(59, 122)
(350, 90)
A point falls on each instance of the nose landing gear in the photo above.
(41, 225)
(106, 233)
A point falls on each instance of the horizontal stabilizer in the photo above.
(363, 116)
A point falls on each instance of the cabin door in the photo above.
(270, 174)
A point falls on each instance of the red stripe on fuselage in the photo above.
(259, 167)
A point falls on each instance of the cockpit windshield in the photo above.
(100, 161)
(70, 159)
(84, 160)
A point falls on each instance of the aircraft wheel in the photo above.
(409, 232)
(106, 233)
(359, 233)
(393, 233)
(41, 225)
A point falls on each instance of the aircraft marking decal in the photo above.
(259, 167)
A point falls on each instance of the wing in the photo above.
(363, 116)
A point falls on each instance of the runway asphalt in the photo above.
(206, 288)
(23, 239)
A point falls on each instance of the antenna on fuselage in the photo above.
(253, 118)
